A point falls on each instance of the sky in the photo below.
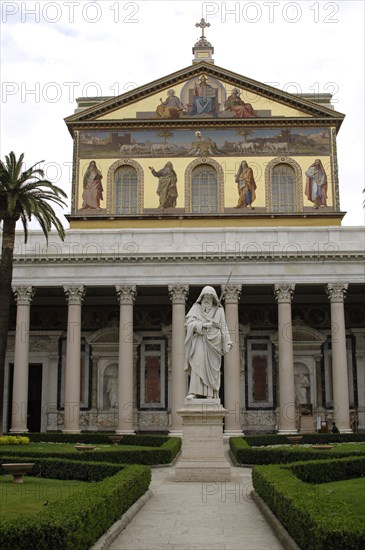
(53, 52)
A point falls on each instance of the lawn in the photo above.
(351, 491)
(31, 496)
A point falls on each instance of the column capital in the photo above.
(23, 295)
(284, 292)
(178, 293)
(336, 292)
(126, 294)
(74, 294)
(231, 293)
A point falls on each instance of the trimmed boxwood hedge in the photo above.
(164, 454)
(319, 471)
(96, 438)
(77, 522)
(307, 439)
(315, 521)
(55, 468)
(244, 454)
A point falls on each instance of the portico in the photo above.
(135, 334)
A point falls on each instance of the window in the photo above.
(204, 189)
(259, 374)
(152, 381)
(283, 188)
(125, 190)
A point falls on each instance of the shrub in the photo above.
(161, 455)
(14, 440)
(244, 454)
(97, 438)
(54, 468)
(307, 439)
(312, 519)
(77, 522)
(323, 471)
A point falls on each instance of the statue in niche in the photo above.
(246, 186)
(302, 386)
(166, 190)
(112, 389)
(207, 340)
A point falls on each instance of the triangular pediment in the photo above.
(226, 95)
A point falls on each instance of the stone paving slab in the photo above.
(198, 516)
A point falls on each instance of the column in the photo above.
(232, 382)
(360, 376)
(319, 386)
(126, 400)
(287, 421)
(178, 294)
(94, 380)
(52, 375)
(243, 332)
(74, 296)
(341, 406)
(23, 297)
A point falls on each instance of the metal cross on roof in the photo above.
(202, 25)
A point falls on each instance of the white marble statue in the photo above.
(207, 340)
(302, 384)
(112, 389)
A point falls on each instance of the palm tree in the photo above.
(245, 133)
(165, 134)
(22, 196)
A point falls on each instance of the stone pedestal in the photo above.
(307, 424)
(202, 448)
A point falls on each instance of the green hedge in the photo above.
(161, 455)
(315, 521)
(244, 454)
(307, 439)
(96, 438)
(77, 522)
(55, 468)
(319, 471)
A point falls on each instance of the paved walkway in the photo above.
(198, 516)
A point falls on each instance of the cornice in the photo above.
(204, 258)
(138, 124)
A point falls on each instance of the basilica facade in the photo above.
(203, 177)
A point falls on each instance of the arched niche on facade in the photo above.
(105, 357)
(188, 182)
(110, 198)
(307, 352)
(297, 203)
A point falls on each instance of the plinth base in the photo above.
(307, 424)
(202, 454)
